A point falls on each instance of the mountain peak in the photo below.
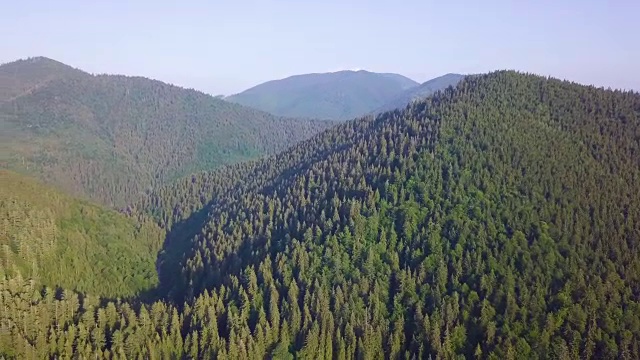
(22, 76)
(39, 59)
(40, 62)
(339, 95)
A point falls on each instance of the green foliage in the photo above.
(499, 220)
(60, 241)
(111, 138)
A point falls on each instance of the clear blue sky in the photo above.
(227, 46)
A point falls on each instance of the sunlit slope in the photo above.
(61, 241)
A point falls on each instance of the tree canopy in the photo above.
(498, 219)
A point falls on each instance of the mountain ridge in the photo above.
(337, 95)
(110, 137)
(15, 82)
(421, 91)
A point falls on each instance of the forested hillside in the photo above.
(55, 240)
(25, 76)
(110, 138)
(496, 220)
(341, 95)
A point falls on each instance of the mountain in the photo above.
(497, 219)
(24, 76)
(339, 95)
(57, 240)
(421, 91)
(110, 137)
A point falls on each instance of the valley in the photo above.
(488, 216)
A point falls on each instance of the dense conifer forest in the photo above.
(53, 239)
(499, 219)
(110, 138)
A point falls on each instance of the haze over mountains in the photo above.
(420, 92)
(111, 137)
(341, 95)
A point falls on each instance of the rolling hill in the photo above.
(341, 95)
(498, 219)
(110, 137)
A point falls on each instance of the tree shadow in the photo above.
(172, 285)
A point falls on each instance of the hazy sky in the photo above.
(227, 46)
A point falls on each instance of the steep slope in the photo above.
(498, 220)
(112, 137)
(512, 199)
(340, 95)
(57, 240)
(421, 91)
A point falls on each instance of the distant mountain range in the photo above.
(336, 96)
(112, 137)
(421, 91)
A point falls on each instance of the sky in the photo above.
(224, 47)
